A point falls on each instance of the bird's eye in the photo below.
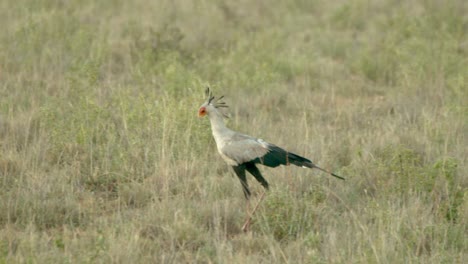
(202, 111)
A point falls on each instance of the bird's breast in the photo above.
(228, 160)
(221, 142)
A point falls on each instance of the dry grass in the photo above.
(102, 158)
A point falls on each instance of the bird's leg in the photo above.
(240, 171)
(256, 173)
(246, 225)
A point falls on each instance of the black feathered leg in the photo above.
(256, 173)
(252, 169)
(240, 171)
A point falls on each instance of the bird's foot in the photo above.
(246, 225)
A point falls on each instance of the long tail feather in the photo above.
(277, 156)
(329, 172)
(301, 161)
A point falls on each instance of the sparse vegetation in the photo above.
(102, 157)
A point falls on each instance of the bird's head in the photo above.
(211, 104)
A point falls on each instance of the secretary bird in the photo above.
(242, 152)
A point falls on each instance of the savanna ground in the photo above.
(103, 159)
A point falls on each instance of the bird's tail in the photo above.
(303, 162)
(329, 172)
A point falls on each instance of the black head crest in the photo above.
(211, 99)
(209, 94)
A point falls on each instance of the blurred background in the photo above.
(103, 158)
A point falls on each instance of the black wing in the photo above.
(277, 156)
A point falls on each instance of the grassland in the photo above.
(103, 160)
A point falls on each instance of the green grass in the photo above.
(103, 159)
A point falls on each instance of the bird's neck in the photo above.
(219, 129)
(217, 122)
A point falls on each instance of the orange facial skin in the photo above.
(201, 112)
